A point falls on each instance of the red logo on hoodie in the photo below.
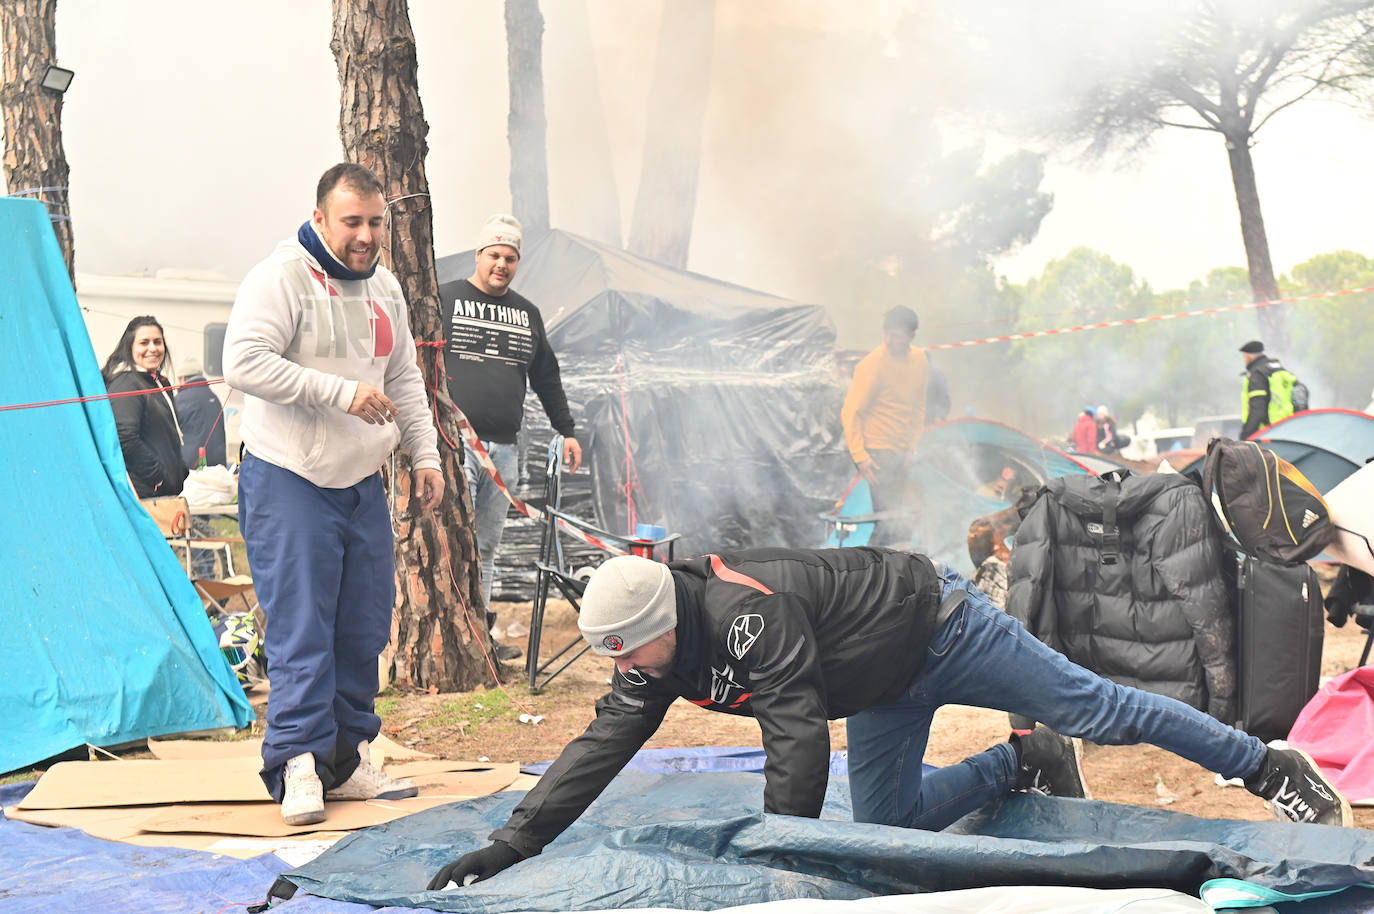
(382, 337)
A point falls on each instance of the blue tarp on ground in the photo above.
(698, 841)
(105, 640)
(62, 869)
(704, 758)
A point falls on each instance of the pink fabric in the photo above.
(1336, 728)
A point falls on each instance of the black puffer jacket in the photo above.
(1161, 617)
(148, 433)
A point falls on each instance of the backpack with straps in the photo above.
(1269, 507)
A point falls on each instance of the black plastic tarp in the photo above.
(729, 399)
(696, 841)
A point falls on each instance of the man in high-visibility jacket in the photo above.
(1267, 395)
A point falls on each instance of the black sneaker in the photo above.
(507, 652)
(1049, 764)
(1296, 789)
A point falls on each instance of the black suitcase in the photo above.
(1279, 635)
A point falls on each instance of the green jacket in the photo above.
(1267, 395)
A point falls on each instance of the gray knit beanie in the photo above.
(500, 229)
(629, 602)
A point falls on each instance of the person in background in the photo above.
(1084, 435)
(319, 344)
(149, 433)
(494, 343)
(202, 420)
(202, 433)
(1267, 394)
(1109, 440)
(798, 637)
(883, 415)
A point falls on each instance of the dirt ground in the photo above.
(487, 724)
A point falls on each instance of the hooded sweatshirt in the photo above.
(298, 343)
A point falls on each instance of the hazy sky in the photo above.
(195, 133)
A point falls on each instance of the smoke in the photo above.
(840, 143)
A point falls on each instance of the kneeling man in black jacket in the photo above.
(796, 637)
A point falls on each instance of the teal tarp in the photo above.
(105, 640)
(697, 841)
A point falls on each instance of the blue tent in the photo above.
(105, 640)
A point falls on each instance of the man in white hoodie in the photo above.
(319, 343)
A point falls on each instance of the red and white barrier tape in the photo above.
(483, 458)
(1129, 321)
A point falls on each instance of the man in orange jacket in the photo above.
(883, 415)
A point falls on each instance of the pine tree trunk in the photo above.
(439, 625)
(529, 166)
(1263, 286)
(666, 203)
(35, 163)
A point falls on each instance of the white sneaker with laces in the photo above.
(303, 800)
(369, 783)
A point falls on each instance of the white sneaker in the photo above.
(368, 783)
(303, 801)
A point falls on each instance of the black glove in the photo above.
(483, 864)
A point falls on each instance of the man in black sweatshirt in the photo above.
(493, 342)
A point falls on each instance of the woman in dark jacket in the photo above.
(148, 431)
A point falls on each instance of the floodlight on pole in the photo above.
(56, 79)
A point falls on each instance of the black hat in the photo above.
(1254, 347)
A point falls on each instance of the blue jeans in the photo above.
(324, 572)
(984, 658)
(489, 505)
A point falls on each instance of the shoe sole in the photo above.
(1347, 815)
(312, 817)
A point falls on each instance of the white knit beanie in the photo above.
(629, 602)
(500, 229)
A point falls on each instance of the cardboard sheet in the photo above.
(116, 824)
(122, 825)
(264, 819)
(146, 782)
(382, 749)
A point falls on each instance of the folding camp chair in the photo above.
(555, 571)
(172, 514)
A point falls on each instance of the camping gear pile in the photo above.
(1140, 580)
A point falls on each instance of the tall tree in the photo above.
(439, 626)
(666, 203)
(1229, 66)
(35, 162)
(529, 166)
